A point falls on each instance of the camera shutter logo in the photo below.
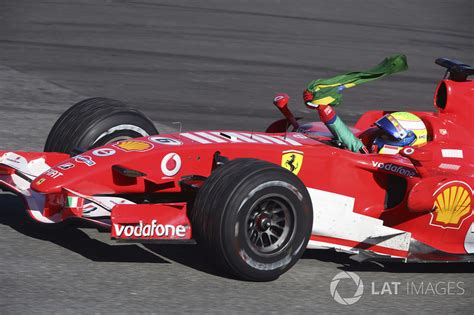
(346, 300)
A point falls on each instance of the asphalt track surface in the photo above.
(208, 64)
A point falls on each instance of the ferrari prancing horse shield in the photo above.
(292, 161)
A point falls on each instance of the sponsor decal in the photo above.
(408, 151)
(16, 160)
(292, 161)
(171, 164)
(397, 169)
(150, 230)
(88, 208)
(448, 166)
(103, 152)
(452, 205)
(53, 173)
(327, 110)
(40, 181)
(452, 153)
(166, 141)
(84, 159)
(133, 145)
(66, 166)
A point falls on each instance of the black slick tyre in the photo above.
(94, 122)
(254, 218)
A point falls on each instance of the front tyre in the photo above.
(95, 122)
(254, 217)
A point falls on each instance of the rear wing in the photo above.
(455, 70)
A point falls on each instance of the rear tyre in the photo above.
(254, 218)
(94, 122)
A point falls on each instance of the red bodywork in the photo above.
(419, 193)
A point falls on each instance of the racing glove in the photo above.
(326, 113)
(308, 97)
(337, 127)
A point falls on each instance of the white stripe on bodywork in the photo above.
(273, 139)
(333, 216)
(227, 136)
(289, 140)
(211, 137)
(241, 137)
(237, 137)
(257, 137)
(195, 138)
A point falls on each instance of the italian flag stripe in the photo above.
(72, 202)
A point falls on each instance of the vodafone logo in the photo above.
(103, 152)
(150, 230)
(404, 171)
(408, 151)
(171, 164)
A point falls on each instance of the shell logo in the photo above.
(453, 204)
(133, 145)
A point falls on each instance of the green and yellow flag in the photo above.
(329, 91)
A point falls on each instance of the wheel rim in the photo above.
(119, 138)
(269, 224)
(106, 140)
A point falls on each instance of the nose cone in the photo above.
(48, 182)
(92, 172)
(71, 172)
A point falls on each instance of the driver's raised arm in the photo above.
(335, 124)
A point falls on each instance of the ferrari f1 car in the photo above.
(257, 200)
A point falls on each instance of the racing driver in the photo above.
(398, 129)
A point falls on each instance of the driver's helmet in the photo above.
(400, 129)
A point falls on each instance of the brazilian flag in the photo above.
(329, 91)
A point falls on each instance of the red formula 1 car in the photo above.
(257, 200)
